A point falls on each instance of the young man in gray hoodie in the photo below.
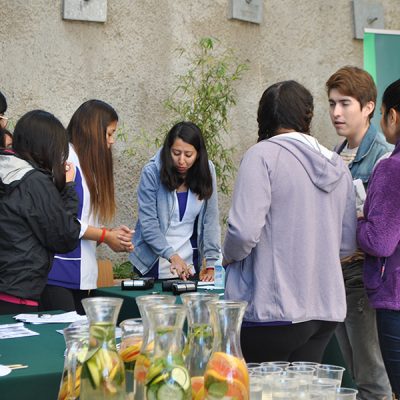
(352, 99)
(292, 218)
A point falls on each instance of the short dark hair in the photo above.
(391, 97)
(3, 104)
(198, 178)
(286, 105)
(354, 82)
(39, 137)
(3, 133)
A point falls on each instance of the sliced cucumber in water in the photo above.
(218, 389)
(151, 393)
(169, 391)
(94, 373)
(181, 377)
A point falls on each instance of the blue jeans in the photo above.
(358, 340)
(389, 338)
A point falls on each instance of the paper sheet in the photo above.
(8, 331)
(50, 318)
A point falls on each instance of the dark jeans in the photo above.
(60, 298)
(304, 341)
(389, 338)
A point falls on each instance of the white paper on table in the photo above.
(8, 331)
(50, 318)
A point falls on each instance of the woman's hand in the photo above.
(125, 236)
(207, 275)
(179, 267)
(120, 239)
(69, 171)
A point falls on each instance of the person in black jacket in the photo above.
(38, 209)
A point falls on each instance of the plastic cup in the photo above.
(331, 374)
(345, 394)
(256, 387)
(267, 373)
(284, 388)
(281, 364)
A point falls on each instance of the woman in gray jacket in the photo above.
(178, 223)
(292, 218)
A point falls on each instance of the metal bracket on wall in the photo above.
(246, 10)
(367, 14)
(85, 10)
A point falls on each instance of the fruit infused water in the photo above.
(226, 376)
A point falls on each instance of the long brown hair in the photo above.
(87, 132)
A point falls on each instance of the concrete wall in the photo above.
(129, 61)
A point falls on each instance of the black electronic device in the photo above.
(184, 287)
(137, 284)
(167, 285)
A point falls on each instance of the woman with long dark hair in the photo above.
(178, 225)
(91, 133)
(38, 209)
(378, 235)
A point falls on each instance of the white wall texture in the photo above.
(129, 61)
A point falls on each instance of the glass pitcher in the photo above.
(199, 343)
(103, 372)
(76, 338)
(167, 377)
(147, 350)
(226, 376)
(131, 342)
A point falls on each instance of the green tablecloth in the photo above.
(44, 355)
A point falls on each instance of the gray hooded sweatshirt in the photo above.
(292, 218)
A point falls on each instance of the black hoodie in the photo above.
(36, 221)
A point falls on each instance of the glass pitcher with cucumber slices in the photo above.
(200, 338)
(147, 349)
(226, 376)
(103, 372)
(167, 377)
(76, 337)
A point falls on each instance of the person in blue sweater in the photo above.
(178, 223)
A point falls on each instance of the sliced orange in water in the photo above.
(200, 395)
(237, 390)
(227, 367)
(197, 384)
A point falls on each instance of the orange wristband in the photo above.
(103, 235)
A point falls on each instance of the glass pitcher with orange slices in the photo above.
(131, 342)
(226, 376)
(143, 360)
(200, 335)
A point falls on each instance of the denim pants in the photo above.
(389, 337)
(358, 340)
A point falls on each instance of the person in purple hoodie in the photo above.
(293, 216)
(378, 235)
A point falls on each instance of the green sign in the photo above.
(382, 61)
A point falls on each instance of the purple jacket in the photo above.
(378, 234)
